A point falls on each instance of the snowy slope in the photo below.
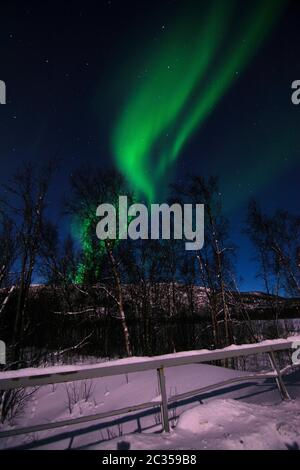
(224, 424)
(216, 424)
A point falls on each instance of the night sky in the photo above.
(78, 77)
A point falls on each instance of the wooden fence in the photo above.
(52, 375)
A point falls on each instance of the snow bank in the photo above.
(144, 363)
(225, 424)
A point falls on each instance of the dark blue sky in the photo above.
(63, 65)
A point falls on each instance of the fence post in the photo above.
(164, 399)
(280, 384)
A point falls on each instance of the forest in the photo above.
(115, 298)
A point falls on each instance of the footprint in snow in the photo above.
(287, 430)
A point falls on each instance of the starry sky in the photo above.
(75, 71)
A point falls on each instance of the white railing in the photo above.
(51, 375)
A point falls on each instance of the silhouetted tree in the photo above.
(215, 260)
(100, 260)
(25, 204)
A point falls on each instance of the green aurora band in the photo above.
(188, 76)
(83, 230)
(93, 250)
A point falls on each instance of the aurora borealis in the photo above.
(156, 89)
(187, 77)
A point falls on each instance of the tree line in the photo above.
(32, 246)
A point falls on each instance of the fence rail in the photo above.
(51, 375)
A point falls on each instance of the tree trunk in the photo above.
(120, 299)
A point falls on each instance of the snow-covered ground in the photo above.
(224, 424)
(243, 416)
